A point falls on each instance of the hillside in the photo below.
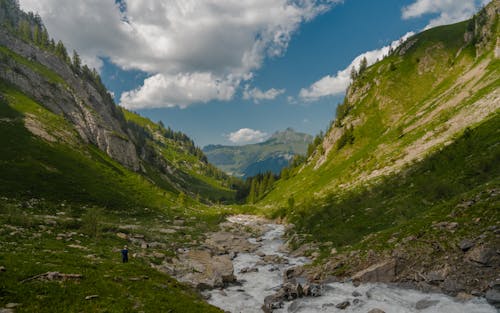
(58, 114)
(250, 160)
(80, 178)
(411, 164)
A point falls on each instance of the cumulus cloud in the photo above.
(448, 11)
(201, 49)
(331, 85)
(247, 135)
(257, 95)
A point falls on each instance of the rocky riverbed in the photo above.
(245, 268)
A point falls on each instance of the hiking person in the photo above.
(125, 254)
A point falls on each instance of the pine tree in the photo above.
(354, 73)
(77, 62)
(363, 65)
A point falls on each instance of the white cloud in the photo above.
(256, 94)
(247, 135)
(331, 85)
(205, 48)
(449, 11)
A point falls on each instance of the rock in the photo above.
(144, 245)
(294, 306)
(434, 277)
(158, 255)
(452, 286)
(122, 236)
(91, 297)
(333, 251)
(343, 305)
(202, 270)
(12, 305)
(248, 270)
(493, 297)
(312, 290)
(78, 247)
(376, 311)
(179, 222)
(261, 254)
(465, 244)
(6, 310)
(356, 301)
(2, 269)
(383, 272)
(292, 291)
(493, 294)
(481, 255)
(463, 297)
(425, 303)
(273, 302)
(356, 294)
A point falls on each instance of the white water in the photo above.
(255, 286)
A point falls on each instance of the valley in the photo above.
(394, 209)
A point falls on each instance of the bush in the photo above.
(91, 222)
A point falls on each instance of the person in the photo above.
(125, 254)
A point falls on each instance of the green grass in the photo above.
(393, 102)
(429, 188)
(32, 166)
(30, 247)
(191, 174)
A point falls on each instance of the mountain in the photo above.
(58, 115)
(411, 164)
(270, 155)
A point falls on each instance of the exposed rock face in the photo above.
(94, 116)
(383, 272)
(203, 270)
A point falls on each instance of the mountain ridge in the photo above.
(270, 155)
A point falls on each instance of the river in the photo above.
(253, 286)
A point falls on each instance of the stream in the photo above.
(247, 296)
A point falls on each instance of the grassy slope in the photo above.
(332, 204)
(192, 174)
(389, 108)
(84, 174)
(73, 176)
(28, 236)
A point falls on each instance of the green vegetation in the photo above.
(413, 98)
(39, 237)
(192, 172)
(428, 190)
(249, 160)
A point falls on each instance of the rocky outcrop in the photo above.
(201, 269)
(384, 272)
(94, 116)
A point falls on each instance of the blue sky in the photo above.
(254, 68)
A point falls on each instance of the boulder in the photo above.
(122, 236)
(425, 303)
(248, 270)
(465, 244)
(383, 272)
(481, 255)
(376, 311)
(202, 270)
(356, 294)
(493, 297)
(343, 305)
(273, 302)
(493, 294)
(312, 290)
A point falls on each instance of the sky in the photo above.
(236, 71)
